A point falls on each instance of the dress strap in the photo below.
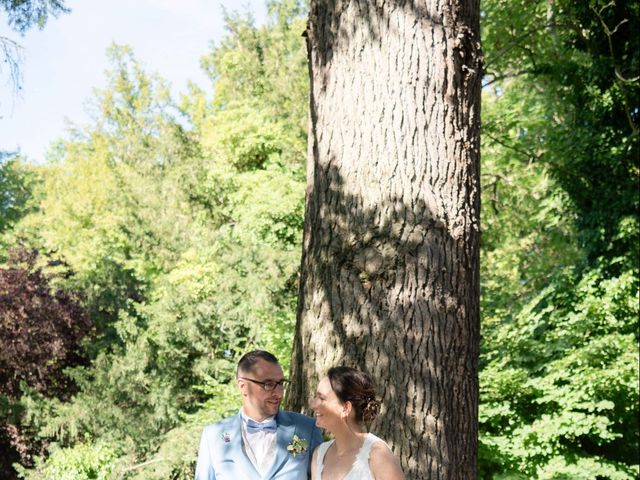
(322, 451)
(365, 450)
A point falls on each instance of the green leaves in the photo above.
(17, 181)
(185, 246)
(82, 462)
(561, 377)
(559, 384)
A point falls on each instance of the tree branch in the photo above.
(497, 78)
(619, 79)
(530, 156)
(11, 54)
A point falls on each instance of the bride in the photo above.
(344, 402)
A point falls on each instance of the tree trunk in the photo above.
(390, 269)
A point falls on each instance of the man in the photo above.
(260, 442)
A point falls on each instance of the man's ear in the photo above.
(242, 386)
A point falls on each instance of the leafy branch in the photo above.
(620, 80)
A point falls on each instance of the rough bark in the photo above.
(390, 270)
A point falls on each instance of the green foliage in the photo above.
(82, 462)
(264, 68)
(185, 244)
(24, 14)
(577, 61)
(178, 451)
(559, 378)
(17, 181)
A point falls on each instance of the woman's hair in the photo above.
(351, 385)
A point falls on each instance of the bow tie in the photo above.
(268, 426)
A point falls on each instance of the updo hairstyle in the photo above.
(351, 385)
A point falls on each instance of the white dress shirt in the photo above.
(259, 446)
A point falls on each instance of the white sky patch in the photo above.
(66, 61)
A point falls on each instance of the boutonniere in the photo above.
(226, 438)
(297, 445)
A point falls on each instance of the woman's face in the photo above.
(328, 409)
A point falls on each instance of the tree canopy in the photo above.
(25, 14)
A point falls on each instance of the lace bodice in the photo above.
(360, 469)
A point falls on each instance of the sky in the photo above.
(65, 61)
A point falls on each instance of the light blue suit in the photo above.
(222, 457)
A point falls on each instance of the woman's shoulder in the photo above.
(382, 461)
(370, 447)
(376, 443)
(379, 446)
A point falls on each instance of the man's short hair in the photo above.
(249, 360)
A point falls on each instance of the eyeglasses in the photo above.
(268, 386)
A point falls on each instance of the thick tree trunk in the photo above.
(390, 269)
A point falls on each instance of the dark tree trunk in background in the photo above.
(390, 267)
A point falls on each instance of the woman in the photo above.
(343, 404)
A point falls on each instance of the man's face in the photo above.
(257, 403)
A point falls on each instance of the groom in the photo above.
(260, 442)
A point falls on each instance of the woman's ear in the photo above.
(346, 409)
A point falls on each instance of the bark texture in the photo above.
(390, 269)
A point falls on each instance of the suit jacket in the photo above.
(221, 455)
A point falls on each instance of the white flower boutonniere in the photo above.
(297, 445)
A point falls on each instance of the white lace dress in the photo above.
(360, 469)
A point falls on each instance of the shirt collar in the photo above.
(245, 417)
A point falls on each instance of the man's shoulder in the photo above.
(223, 424)
(295, 418)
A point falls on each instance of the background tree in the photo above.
(40, 333)
(17, 182)
(390, 269)
(22, 15)
(185, 243)
(560, 259)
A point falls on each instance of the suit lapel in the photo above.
(237, 449)
(284, 435)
